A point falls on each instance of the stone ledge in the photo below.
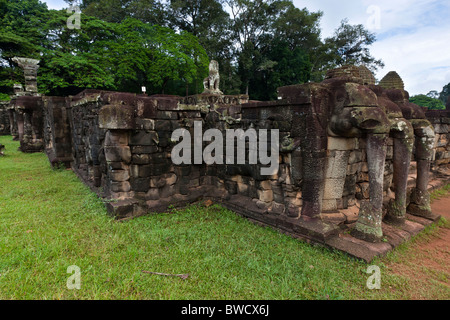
(394, 235)
(358, 248)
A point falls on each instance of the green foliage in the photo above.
(349, 45)
(103, 55)
(21, 34)
(426, 101)
(281, 66)
(4, 97)
(153, 55)
(165, 45)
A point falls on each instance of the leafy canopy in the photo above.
(427, 101)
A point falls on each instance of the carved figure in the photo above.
(212, 82)
(347, 104)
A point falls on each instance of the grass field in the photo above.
(49, 221)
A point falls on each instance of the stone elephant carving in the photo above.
(348, 104)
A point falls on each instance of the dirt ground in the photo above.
(431, 259)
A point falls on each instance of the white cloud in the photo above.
(413, 36)
(56, 4)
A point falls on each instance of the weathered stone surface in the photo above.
(358, 248)
(335, 218)
(144, 138)
(118, 154)
(336, 167)
(342, 144)
(124, 186)
(333, 149)
(116, 117)
(265, 195)
(121, 209)
(334, 188)
(119, 175)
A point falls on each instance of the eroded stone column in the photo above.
(368, 226)
(30, 68)
(403, 145)
(13, 123)
(420, 197)
(314, 161)
(20, 123)
(118, 120)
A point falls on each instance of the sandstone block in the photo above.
(265, 195)
(116, 116)
(336, 166)
(334, 188)
(124, 186)
(118, 154)
(342, 144)
(119, 175)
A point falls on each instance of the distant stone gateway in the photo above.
(355, 161)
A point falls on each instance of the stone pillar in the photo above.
(368, 226)
(30, 68)
(118, 120)
(58, 143)
(403, 145)
(118, 158)
(425, 139)
(30, 123)
(20, 123)
(13, 123)
(314, 155)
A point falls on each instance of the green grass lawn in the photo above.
(49, 221)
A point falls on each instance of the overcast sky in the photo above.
(413, 36)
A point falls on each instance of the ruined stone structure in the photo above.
(26, 113)
(346, 151)
(5, 126)
(57, 133)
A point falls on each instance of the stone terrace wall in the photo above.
(57, 133)
(135, 165)
(86, 136)
(4, 119)
(120, 144)
(28, 122)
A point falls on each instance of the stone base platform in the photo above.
(332, 231)
(393, 237)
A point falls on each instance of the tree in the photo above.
(210, 23)
(433, 94)
(21, 34)
(298, 27)
(76, 59)
(281, 66)
(103, 55)
(426, 101)
(153, 55)
(349, 45)
(149, 11)
(261, 28)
